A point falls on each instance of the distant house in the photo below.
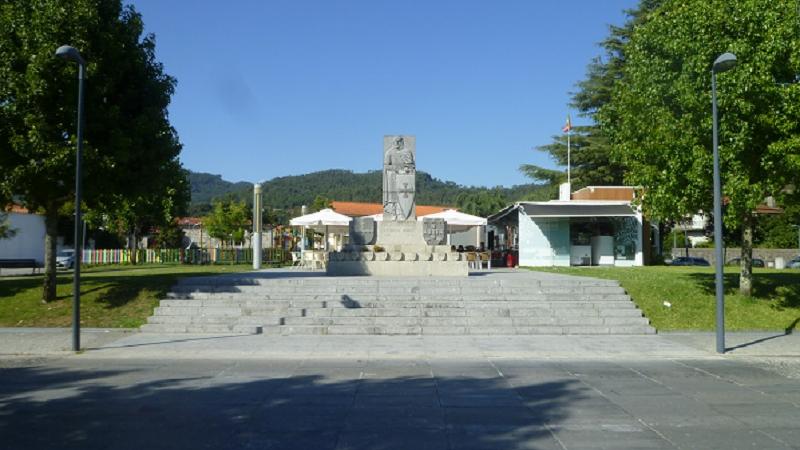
(696, 228)
(28, 242)
(596, 225)
(196, 236)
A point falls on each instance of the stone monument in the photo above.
(402, 246)
(399, 178)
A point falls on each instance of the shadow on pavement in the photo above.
(44, 408)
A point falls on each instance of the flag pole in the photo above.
(568, 129)
(569, 151)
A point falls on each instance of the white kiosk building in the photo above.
(592, 226)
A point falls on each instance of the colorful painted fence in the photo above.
(182, 256)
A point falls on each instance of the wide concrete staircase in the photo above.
(477, 305)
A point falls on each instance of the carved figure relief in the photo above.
(399, 173)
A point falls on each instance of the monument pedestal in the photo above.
(401, 252)
(437, 262)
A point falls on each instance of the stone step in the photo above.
(505, 322)
(380, 329)
(201, 328)
(480, 310)
(408, 290)
(313, 304)
(395, 297)
(469, 330)
(360, 282)
(198, 310)
(221, 321)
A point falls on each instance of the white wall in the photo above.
(29, 240)
(543, 242)
(464, 235)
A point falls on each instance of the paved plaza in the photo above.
(144, 391)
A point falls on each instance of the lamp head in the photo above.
(70, 53)
(725, 61)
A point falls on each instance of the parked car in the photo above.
(757, 262)
(689, 261)
(794, 263)
(65, 259)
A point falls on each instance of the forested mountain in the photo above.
(206, 187)
(344, 185)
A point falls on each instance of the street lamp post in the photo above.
(256, 241)
(724, 62)
(72, 54)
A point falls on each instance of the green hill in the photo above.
(344, 185)
(206, 187)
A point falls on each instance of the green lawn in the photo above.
(775, 304)
(111, 296)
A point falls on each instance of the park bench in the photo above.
(18, 263)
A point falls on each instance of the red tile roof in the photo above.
(359, 209)
(187, 221)
(19, 209)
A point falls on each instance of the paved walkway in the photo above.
(109, 343)
(395, 393)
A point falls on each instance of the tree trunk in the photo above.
(746, 275)
(50, 238)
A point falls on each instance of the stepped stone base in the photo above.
(491, 304)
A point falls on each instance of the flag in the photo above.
(567, 126)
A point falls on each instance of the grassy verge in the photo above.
(111, 296)
(775, 304)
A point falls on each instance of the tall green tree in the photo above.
(228, 221)
(659, 116)
(127, 136)
(320, 202)
(482, 203)
(592, 161)
(135, 212)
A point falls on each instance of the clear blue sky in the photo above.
(274, 88)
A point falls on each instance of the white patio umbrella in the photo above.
(453, 217)
(325, 218)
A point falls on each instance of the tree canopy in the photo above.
(128, 137)
(659, 114)
(482, 203)
(228, 221)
